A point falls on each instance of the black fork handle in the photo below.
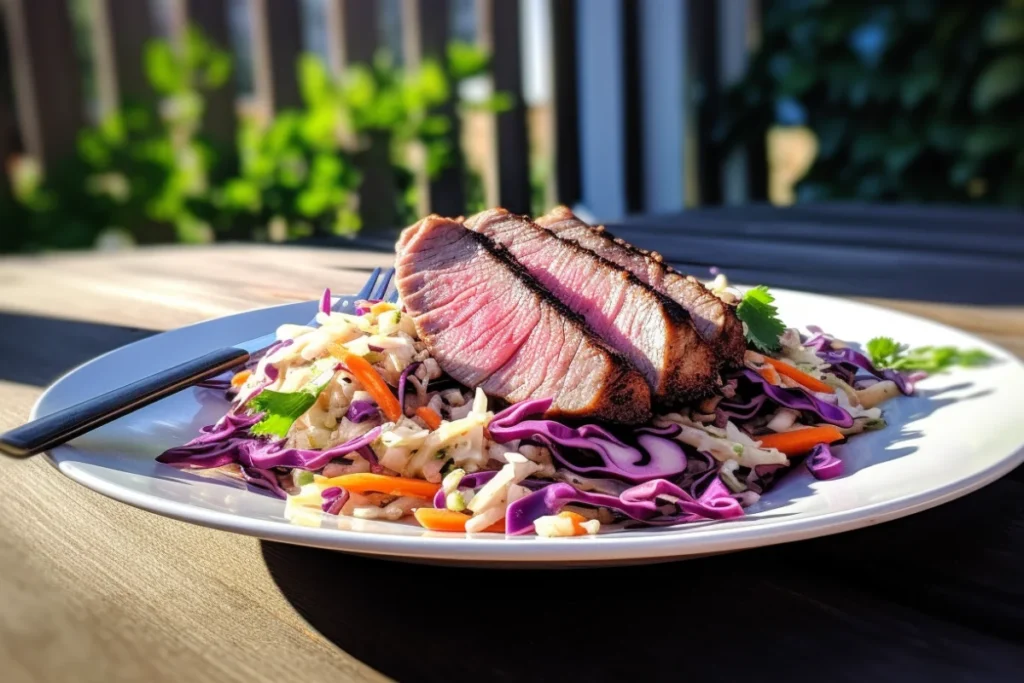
(60, 427)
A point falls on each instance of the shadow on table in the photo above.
(36, 350)
(783, 613)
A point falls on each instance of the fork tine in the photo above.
(364, 293)
(382, 284)
(393, 297)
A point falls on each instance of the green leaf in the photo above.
(162, 68)
(1001, 79)
(886, 353)
(432, 83)
(883, 351)
(917, 86)
(760, 318)
(314, 81)
(987, 139)
(1004, 28)
(466, 60)
(281, 409)
(218, 70)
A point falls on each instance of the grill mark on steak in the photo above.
(649, 328)
(714, 319)
(539, 349)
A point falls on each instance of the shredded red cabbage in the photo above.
(822, 464)
(325, 302)
(249, 451)
(656, 502)
(361, 411)
(859, 360)
(334, 498)
(264, 479)
(651, 456)
(800, 399)
(402, 380)
(731, 410)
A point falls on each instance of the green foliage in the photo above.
(911, 101)
(146, 170)
(143, 170)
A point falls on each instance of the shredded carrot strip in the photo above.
(577, 519)
(430, 416)
(240, 378)
(800, 441)
(371, 380)
(368, 482)
(448, 520)
(770, 374)
(799, 376)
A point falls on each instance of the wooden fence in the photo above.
(629, 135)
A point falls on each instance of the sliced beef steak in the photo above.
(650, 329)
(715, 320)
(490, 325)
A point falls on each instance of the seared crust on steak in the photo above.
(715, 320)
(651, 330)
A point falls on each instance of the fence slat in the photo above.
(601, 66)
(702, 33)
(425, 35)
(352, 38)
(120, 29)
(499, 22)
(277, 44)
(47, 81)
(220, 115)
(352, 32)
(566, 115)
(662, 77)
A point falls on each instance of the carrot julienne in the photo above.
(800, 441)
(798, 376)
(368, 482)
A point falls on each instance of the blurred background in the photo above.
(156, 121)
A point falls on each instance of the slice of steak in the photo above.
(714, 319)
(650, 329)
(490, 325)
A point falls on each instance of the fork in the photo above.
(60, 427)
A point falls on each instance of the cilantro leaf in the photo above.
(761, 323)
(281, 409)
(887, 353)
(884, 351)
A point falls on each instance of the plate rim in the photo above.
(492, 547)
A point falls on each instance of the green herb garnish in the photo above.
(886, 352)
(281, 409)
(761, 323)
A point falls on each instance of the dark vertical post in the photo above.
(352, 38)
(47, 85)
(425, 35)
(566, 114)
(220, 116)
(499, 22)
(352, 32)
(631, 81)
(120, 30)
(703, 39)
(277, 44)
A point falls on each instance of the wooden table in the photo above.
(93, 590)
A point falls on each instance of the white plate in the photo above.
(963, 432)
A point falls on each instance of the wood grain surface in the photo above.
(94, 590)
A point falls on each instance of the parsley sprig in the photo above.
(761, 323)
(282, 408)
(886, 352)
